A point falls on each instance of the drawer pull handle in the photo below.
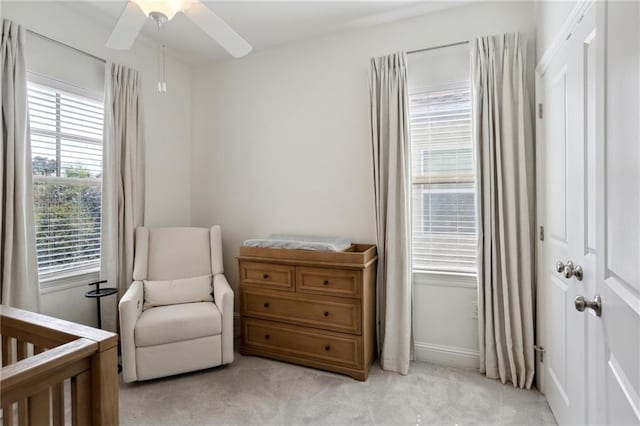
(267, 337)
(266, 304)
(325, 282)
(265, 276)
(326, 348)
(326, 313)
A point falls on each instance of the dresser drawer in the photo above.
(329, 282)
(267, 275)
(311, 311)
(302, 343)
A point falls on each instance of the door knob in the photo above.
(595, 304)
(560, 265)
(573, 271)
(570, 270)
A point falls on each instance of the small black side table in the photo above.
(99, 293)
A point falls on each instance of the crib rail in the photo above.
(56, 372)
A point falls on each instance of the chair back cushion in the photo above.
(172, 253)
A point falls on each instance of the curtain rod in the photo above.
(67, 46)
(438, 47)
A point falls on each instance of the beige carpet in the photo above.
(256, 391)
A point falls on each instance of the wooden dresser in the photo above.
(308, 307)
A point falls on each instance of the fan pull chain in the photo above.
(162, 82)
(159, 84)
(163, 76)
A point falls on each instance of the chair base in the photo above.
(157, 361)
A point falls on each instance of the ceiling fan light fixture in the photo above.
(137, 12)
(168, 8)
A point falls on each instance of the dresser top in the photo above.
(356, 256)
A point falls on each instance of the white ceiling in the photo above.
(265, 23)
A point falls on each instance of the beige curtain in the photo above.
(19, 279)
(390, 138)
(123, 181)
(503, 139)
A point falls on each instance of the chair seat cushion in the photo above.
(175, 323)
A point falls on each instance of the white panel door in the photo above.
(615, 389)
(568, 214)
(590, 195)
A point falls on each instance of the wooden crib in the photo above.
(56, 372)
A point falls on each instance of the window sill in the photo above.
(68, 280)
(445, 279)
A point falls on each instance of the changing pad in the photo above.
(300, 242)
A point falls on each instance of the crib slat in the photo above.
(7, 351)
(23, 415)
(23, 405)
(22, 349)
(7, 358)
(7, 415)
(81, 399)
(39, 409)
(57, 403)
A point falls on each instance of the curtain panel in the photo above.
(19, 279)
(123, 180)
(503, 138)
(391, 170)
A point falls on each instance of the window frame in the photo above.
(62, 280)
(465, 274)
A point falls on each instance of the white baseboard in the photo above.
(449, 356)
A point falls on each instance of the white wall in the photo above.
(550, 16)
(281, 144)
(167, 124)
(446, 319)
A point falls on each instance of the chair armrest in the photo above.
(130, 309)
(223, 298)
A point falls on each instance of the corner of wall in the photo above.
(194, 137)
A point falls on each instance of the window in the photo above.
(444, 218)
(66, 149)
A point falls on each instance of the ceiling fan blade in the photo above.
(127, 28)
(218, 30)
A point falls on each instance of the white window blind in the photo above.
(66, 148)
(443, 177)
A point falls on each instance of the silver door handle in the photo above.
(560, 265)
(595, 304)
(570, 270)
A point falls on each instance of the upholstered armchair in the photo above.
(175, 338)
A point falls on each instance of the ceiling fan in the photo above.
(161, 11)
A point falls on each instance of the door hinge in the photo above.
(540, 351)
(540, 111)
(541, 233)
